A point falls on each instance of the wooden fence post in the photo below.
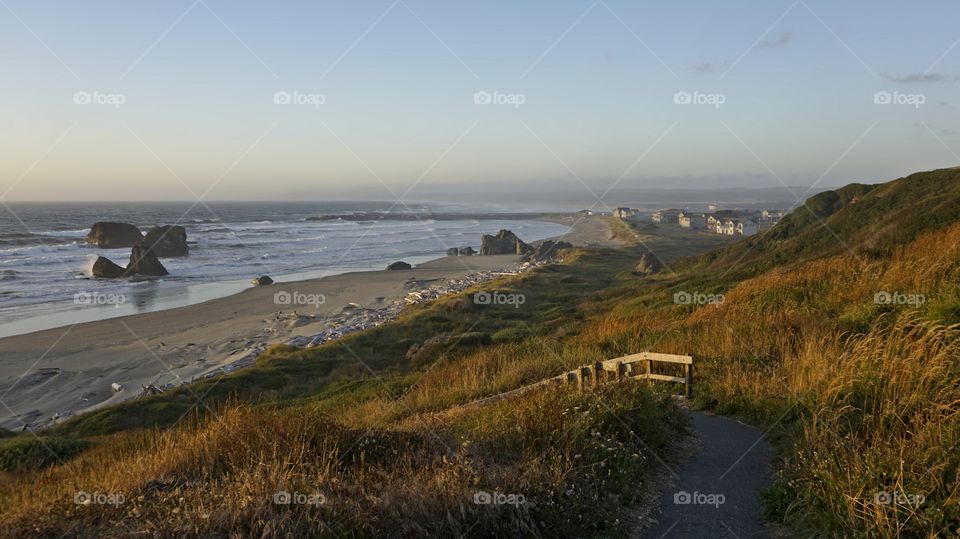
(689, 369)
(621, 371)
(597, 373)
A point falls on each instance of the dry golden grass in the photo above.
(864, 399)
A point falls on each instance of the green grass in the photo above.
(34, 452)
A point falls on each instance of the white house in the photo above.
(623, 213)
(694, 221)
(713, 224)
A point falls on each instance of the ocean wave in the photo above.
(39, 248)
(8, 275)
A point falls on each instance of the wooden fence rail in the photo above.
(633, 366)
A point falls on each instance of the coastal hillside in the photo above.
(845, 357)
(869, 220)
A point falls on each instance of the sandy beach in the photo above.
(52, 374)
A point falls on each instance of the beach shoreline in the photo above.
(48, 375)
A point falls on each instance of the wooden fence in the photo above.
(634, 366)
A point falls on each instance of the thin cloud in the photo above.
(782, 40)
(916, 78)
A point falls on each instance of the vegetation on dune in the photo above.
(870, 220)
(848, 356)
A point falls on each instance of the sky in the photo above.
(220, 100)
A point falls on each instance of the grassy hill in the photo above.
(846, 351)
(867, 220)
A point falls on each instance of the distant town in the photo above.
(733, 222)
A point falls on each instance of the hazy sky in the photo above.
(177, 99)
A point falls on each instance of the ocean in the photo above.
(45, 261)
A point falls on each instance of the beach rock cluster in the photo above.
(164, 241)
(461, 251)
(145, 251)
(504, 243)
(142, 262)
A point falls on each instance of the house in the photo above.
(666, 216)
(586, 212)
(623, 213)
(728, 227)
(769, 218)
(746, 228)
(712, 223)
(712, 206)
(695, 221)
(771, 215)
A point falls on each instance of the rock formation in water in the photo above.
(109, 235)
(167, 241)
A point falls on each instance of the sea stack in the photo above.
(167, 241)
(144, 262)
(107, 235)
(504, 243)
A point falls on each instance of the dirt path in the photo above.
(716, 489)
